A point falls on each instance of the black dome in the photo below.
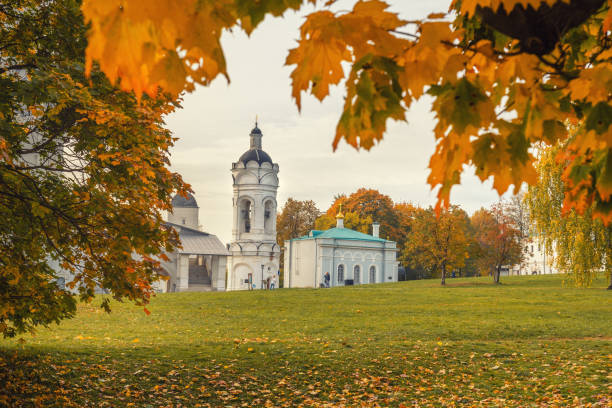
(180, 201)
(257, 155)
(256, 131)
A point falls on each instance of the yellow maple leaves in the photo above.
(363, 37)
(594, 83)
(498, 92)
(329, 39)
(319, 56)
(162, 44)
(140, 42)
(468, 7)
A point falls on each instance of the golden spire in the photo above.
(340, 215)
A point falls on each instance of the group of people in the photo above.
(268, 283)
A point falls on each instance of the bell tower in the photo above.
(255, 255)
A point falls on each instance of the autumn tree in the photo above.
(505, 76)
(481, 222)
(363, 207)
(352, 220)
(518, 210)
(579, 245)
(83, 172)
(498, 238)
(296, 219)
(405, 215)
(438, 243)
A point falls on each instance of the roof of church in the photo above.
(341, 233)
(257, 155)
(180, 201)
(198, 242)
(256, 130)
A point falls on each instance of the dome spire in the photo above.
(256, 136)
(340, 218)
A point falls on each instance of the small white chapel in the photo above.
(339, 257)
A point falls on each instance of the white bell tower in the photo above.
(255, 255)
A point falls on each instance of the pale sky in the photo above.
(214, 125)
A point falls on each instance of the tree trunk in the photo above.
(610, 287)
(444, 274)
(497, 274)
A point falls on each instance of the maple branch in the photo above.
(554, 65)
(54, 247)
(49, 168)
(474, 50)
(7, 45)
(506, 108)
(6, 12)
(42, 201)
(16, 67)
(405, 33)
(38, 147)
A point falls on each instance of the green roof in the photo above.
(341, 233)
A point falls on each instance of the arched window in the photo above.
(340, 273)
(269, 216)
(245, 216)
(372, 274)
(356, 274)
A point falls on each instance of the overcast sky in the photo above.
(214, 125)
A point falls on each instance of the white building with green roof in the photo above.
(339, 257)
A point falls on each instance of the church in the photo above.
(255, 255)
(339, 257)
(251, 259)
(200, 264)
(336, 257)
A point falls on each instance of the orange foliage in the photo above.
(506, 76)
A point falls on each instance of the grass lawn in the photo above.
(528, 342)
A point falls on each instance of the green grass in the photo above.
(528, 342)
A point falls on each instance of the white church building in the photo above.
(199, 265)
(339, 257)
(251, 259)
(255, 255)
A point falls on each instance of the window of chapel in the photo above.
(268, 216)
(246, 216)
(340, 273)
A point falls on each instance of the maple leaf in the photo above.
(319, 58)
(461, 105)
(374, 96)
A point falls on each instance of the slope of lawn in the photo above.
(529, 342)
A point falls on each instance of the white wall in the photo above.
(306, 261)
(187, 216)
(239, 267)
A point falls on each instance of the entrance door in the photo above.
(199, 270)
